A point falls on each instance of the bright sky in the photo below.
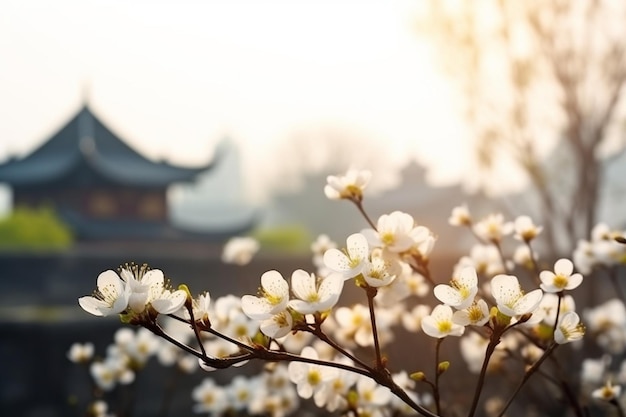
(175, 77)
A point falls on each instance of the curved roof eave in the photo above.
(35, 171)
(137, 172)
(86, 138)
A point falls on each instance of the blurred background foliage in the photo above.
(34, 229)
(291, 238)
(543, 91)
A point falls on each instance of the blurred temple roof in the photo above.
(105, 190)
(86, 148)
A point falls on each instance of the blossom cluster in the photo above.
(135, 291)
(315, 343)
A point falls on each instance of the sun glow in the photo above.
(174, 79)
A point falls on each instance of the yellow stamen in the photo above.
(560, 281)
(444, 326)
(314, 377)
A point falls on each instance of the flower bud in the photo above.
(189, 300)
(499, 319)
(353, 399)
(443, 367)
(418, 376)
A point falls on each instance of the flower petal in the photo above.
(303, 307)
(357, 246)
(170, 302)
(153, 276)
(505, 289)
(331, 285)
(468, 277)
(303, 284)
(109, 279)
(94, 306)
(574, 281)
(274, 284)
(256, 308)
(447, 295)
(564, 267)
(277, 326)
(529, 302)
(336, 260)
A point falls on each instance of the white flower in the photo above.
(484, 258)
(209, 398)
(600, 231)
(319, 247)
(147, 287)
(80, 353)
(313, 295)
(322, 244)
(406, 284)
(240, 391)
(351, 262)
(240, 250)
(477, 314)
(295, 342)
(492, 228)
(104, 374)
(273, 299)
(393, 232)
(608, 392)
(460, 216)
(240, 326)
(473, 347)
(525, 229)
(593, 370)
(332, 395)
(219, 348)
(100, 408)
(144, 285)
(584, 257)
(522, 256)
(278, 325)
(225, 310)
(423, 241)
(169, 302)
(531, 353)
(275, 396)
(380, 272)
(371, 393)
(349, 186)
(142, 345)
(354, 325)
(403, 380)
(123, 338)
(111, 297)
(112, 370)
(569, 328)
(461, 291)
(510, 298)
(412, 320)
(549, 303)
(562, 277)
(201, 308)
(608, 323)
(439, 323)
(308, 377)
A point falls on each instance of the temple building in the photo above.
(104, 189)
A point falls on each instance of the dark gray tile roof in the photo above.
(86, 147)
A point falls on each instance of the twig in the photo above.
(493, 342)
(436, 395)
(527, 376)
(371, 293)
(359, 205)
